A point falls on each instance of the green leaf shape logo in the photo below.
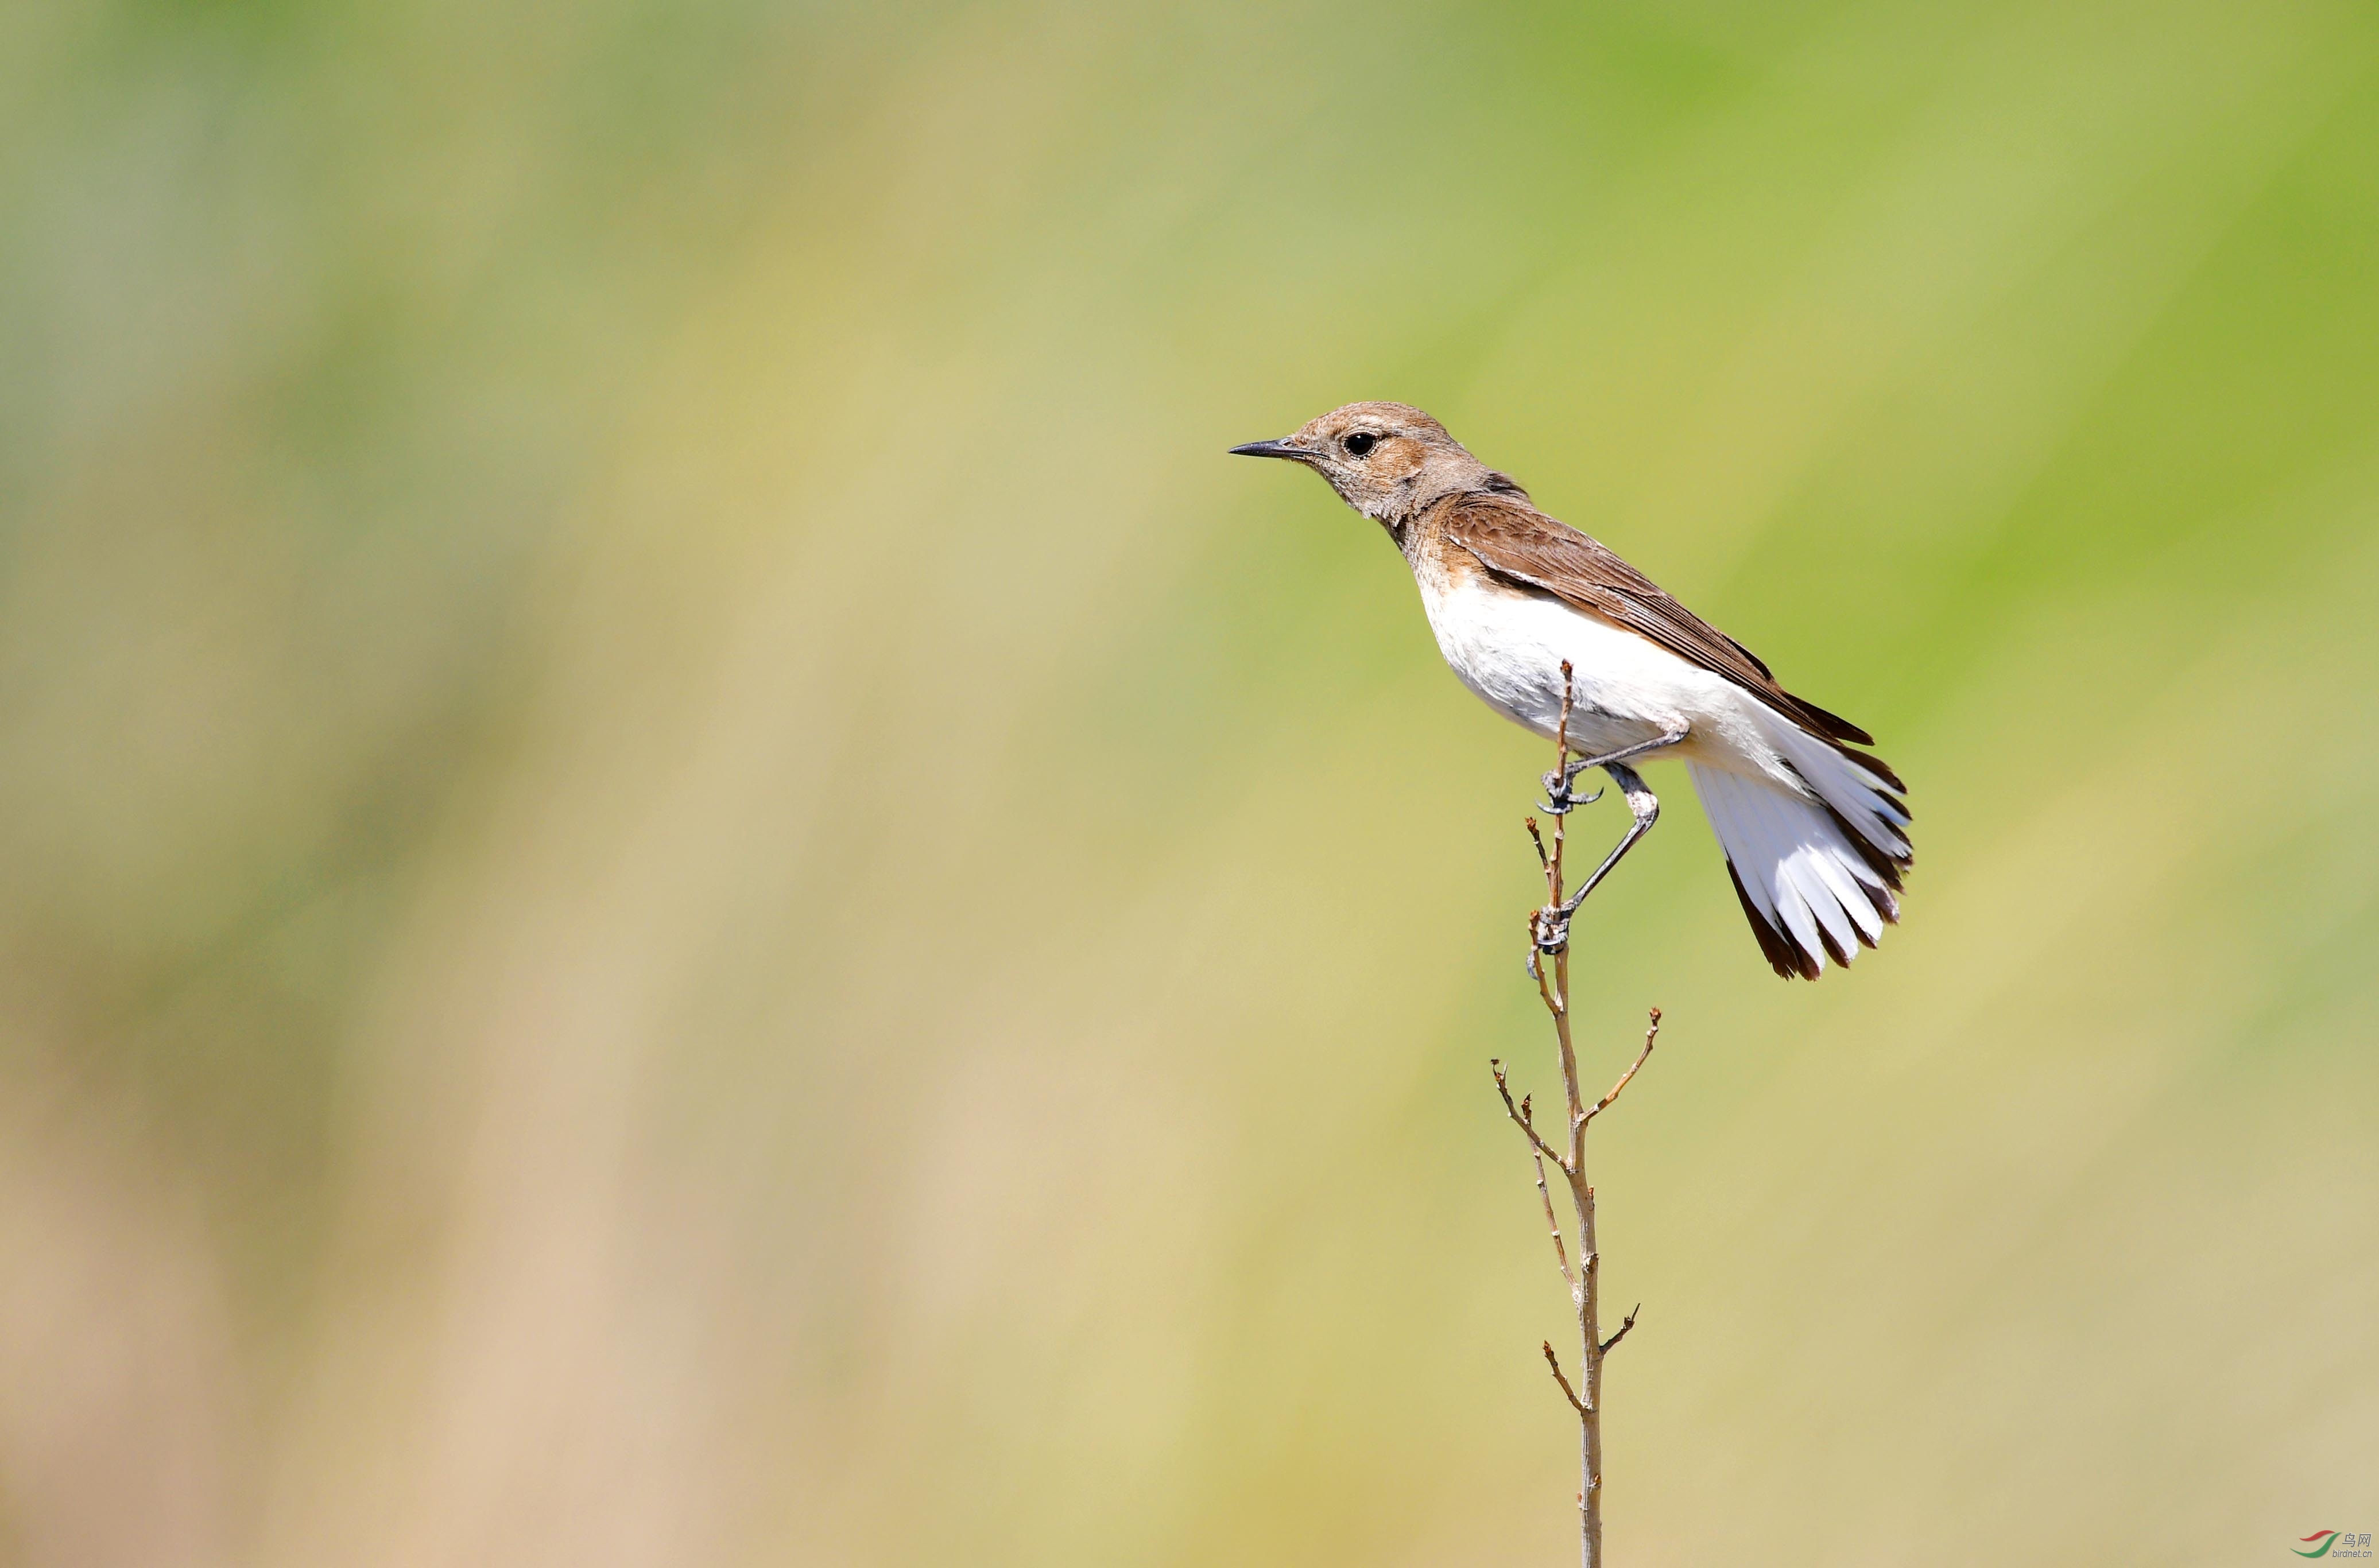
(2328, 1540)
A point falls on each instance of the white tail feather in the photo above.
(1809, 890)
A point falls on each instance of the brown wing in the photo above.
(1516, 542)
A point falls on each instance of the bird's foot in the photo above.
(1561, 795)
(1549, 928)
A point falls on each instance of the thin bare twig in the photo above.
(1524, 1124)
(1549, 967)
(1560, 764)
(1651, 1034)
(1567, 1393)
(1553, 1225)
(1537, 967)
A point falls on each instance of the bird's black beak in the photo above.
(1273, 449)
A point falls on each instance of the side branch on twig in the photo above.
(1612, 1344)
(1561, 1258)
(1567, 1393)
(1651, 1034)
(1521, 1120)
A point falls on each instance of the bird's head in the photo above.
(1386, 459)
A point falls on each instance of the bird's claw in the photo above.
(1562, 803)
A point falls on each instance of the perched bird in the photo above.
(1813, 830)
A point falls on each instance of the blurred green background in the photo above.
(684, 878)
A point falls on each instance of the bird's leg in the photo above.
(1552, 921)
(1642, 806)
(1560, 801)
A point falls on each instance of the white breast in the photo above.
(1508, 648)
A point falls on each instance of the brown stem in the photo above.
(1585, 1280)
(1585, 1289)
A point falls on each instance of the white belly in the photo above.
(1624, 689)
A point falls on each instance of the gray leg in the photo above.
(1560, 802)
(1552, 926)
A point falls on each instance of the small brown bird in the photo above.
(1813, 830)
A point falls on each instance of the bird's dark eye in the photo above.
(1361, 443)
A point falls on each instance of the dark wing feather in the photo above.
(1514, 540)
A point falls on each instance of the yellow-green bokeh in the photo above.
(686, 880)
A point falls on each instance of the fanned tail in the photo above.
(1819, 878)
